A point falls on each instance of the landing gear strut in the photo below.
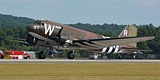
(70, 55)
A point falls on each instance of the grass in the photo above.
(80, 71)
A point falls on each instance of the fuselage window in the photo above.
(42, 24)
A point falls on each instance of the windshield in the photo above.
(39, 23)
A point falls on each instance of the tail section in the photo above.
(129, 31)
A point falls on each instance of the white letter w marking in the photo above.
(49, 29)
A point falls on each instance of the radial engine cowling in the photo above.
(31, 40)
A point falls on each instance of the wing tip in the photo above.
(151, 37)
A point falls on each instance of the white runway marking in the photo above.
(76, 61)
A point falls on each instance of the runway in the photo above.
(75, 61)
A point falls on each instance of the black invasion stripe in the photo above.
(90, 42)
(86, 44)
(113, 50)
(119, 49)
(107, 49)
(82, 43)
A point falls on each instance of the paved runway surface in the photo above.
(76, 61)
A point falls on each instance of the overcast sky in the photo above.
(86, 11)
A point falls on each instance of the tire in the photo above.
(70, 55)
(41, 55)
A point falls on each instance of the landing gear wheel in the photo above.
(70, 55)
(41, 55)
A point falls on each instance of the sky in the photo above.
(86, 11)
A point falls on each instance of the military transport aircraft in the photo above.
(58, 36)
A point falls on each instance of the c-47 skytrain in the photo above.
(58, 36)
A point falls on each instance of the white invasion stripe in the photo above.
(116, 49)
(69, 41)
(104, 49)
(110, 49)
(105, 36)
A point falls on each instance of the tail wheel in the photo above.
(70, 55)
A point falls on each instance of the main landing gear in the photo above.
(70, 54)
(41, 55)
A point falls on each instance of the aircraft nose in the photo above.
(30, 28)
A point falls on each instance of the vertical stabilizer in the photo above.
(129, 31)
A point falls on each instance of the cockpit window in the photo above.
(37, 22)
(42, 24)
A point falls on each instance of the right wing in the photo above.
(107, 42)
(128, 50)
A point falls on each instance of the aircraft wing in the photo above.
(107, 42)
(128, 50)
(20, 40)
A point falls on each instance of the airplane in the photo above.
(59, 36)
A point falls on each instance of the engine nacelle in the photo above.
(31, 40)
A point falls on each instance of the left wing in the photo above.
(107, 42)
